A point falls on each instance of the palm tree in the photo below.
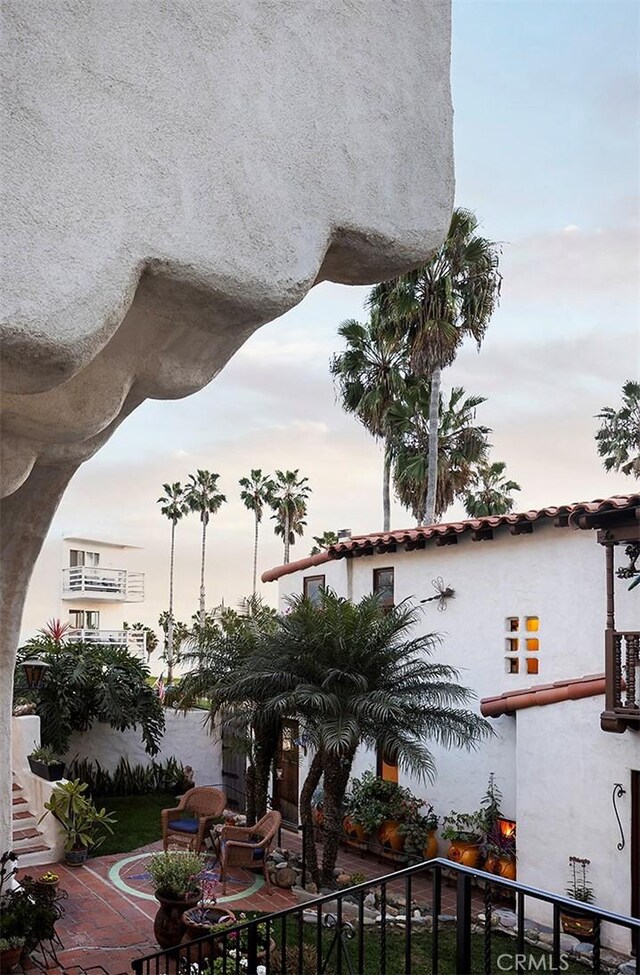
(289, 503)
(370, 375)
(202, 495)
(492, 492)
(353, 674)
(256, 492)
(462, 445)
(450, 298)
(220, 653)
(618, 437)
(173, 506)
(323, 542)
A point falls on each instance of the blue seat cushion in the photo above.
(255, 854)
(184, 825)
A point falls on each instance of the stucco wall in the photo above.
(553, 764)
(186, 738)
(566, 770)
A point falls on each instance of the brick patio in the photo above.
(105, 927)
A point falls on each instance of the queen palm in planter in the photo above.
(175, 877)
(84, 824)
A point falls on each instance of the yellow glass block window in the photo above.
(521, 639)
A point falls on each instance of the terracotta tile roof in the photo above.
(529, 697)
(562, 516)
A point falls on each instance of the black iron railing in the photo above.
(336, 933)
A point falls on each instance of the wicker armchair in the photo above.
(248, 846)
(205, 804)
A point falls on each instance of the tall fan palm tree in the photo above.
(370, 375)
(618, 437)
(462, 445)
(202, 495)
(450, 298)
(173, 506)
(289, 503)
(256, 492)
(492, 493)
(353, 673)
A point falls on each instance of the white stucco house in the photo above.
(547, 637)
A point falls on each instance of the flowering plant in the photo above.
(579, 886)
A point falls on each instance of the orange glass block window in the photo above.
(513, 624)
(532, 643)
(518, 648)
(532, 624)
(512, 645)
(513, 665)
(533, 665)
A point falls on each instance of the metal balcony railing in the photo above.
(135, 639)
(335, 933)
(622, 680)
(87, 581)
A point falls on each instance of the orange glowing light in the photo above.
(507, 827)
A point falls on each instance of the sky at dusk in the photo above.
(547, 150)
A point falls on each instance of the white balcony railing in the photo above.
(135, 639)
(94, 582)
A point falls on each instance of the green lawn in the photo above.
(138, 821)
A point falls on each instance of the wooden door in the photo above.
(635, 851)
(234, 767)
(285, 778)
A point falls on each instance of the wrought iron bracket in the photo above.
(618, 792)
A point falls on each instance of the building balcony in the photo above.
(134, 639)
(622, 681)
(96, 583)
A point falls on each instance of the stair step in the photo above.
(15, 786)
(37, 848)
(19, 801)
(23, 815)
(25, 834)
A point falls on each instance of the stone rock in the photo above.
(508, 922)
(532, 934)
(285, 877)
(447, 918)
(343, 880)
(277, 857)
(568, 942)
(417, 914)
(311, 887)
(586, 949)
(627, 968)
(397, 900)
(337, 871)
(370, 900)
(282, 865)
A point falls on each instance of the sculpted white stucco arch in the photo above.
(175, 173)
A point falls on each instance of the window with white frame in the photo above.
(79, 557)
(522, 645)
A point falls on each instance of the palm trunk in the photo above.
(432, 465)
(336, 776)
(255, 557)
(286, 536)
(170, 626)
(250, 793)
(266, 745)
(386, 488)
(306, 815)
(203, 611)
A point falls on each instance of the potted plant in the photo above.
(11, 950)
(175, 877)
(465, 832)
(420, 840)
(580, 889)
(201, 919)
(46, 763)
(501, 852)
(29, 913)
(84, 824)
(375, 807)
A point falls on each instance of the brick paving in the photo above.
(104, 926)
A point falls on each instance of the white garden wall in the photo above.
(186, 738)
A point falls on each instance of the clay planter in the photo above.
(431, 846)
(468, 854)
(501, 867)
(354, 833)
(168, 926)
(9, 958)
(389, 836)
(75, 858)
(578, 925)
(197, 922)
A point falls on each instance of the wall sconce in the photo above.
(34, 672)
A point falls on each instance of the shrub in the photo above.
(175, 874)
(130, 780)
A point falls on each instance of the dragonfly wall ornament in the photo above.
(442, 594)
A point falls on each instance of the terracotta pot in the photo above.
(9, 958)
(75, 858)
(389, 836)
(196, 922)
(431, 846)
(168, 926)
(577, 925)
(468, 854)
(353, 831)
(501, 867)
